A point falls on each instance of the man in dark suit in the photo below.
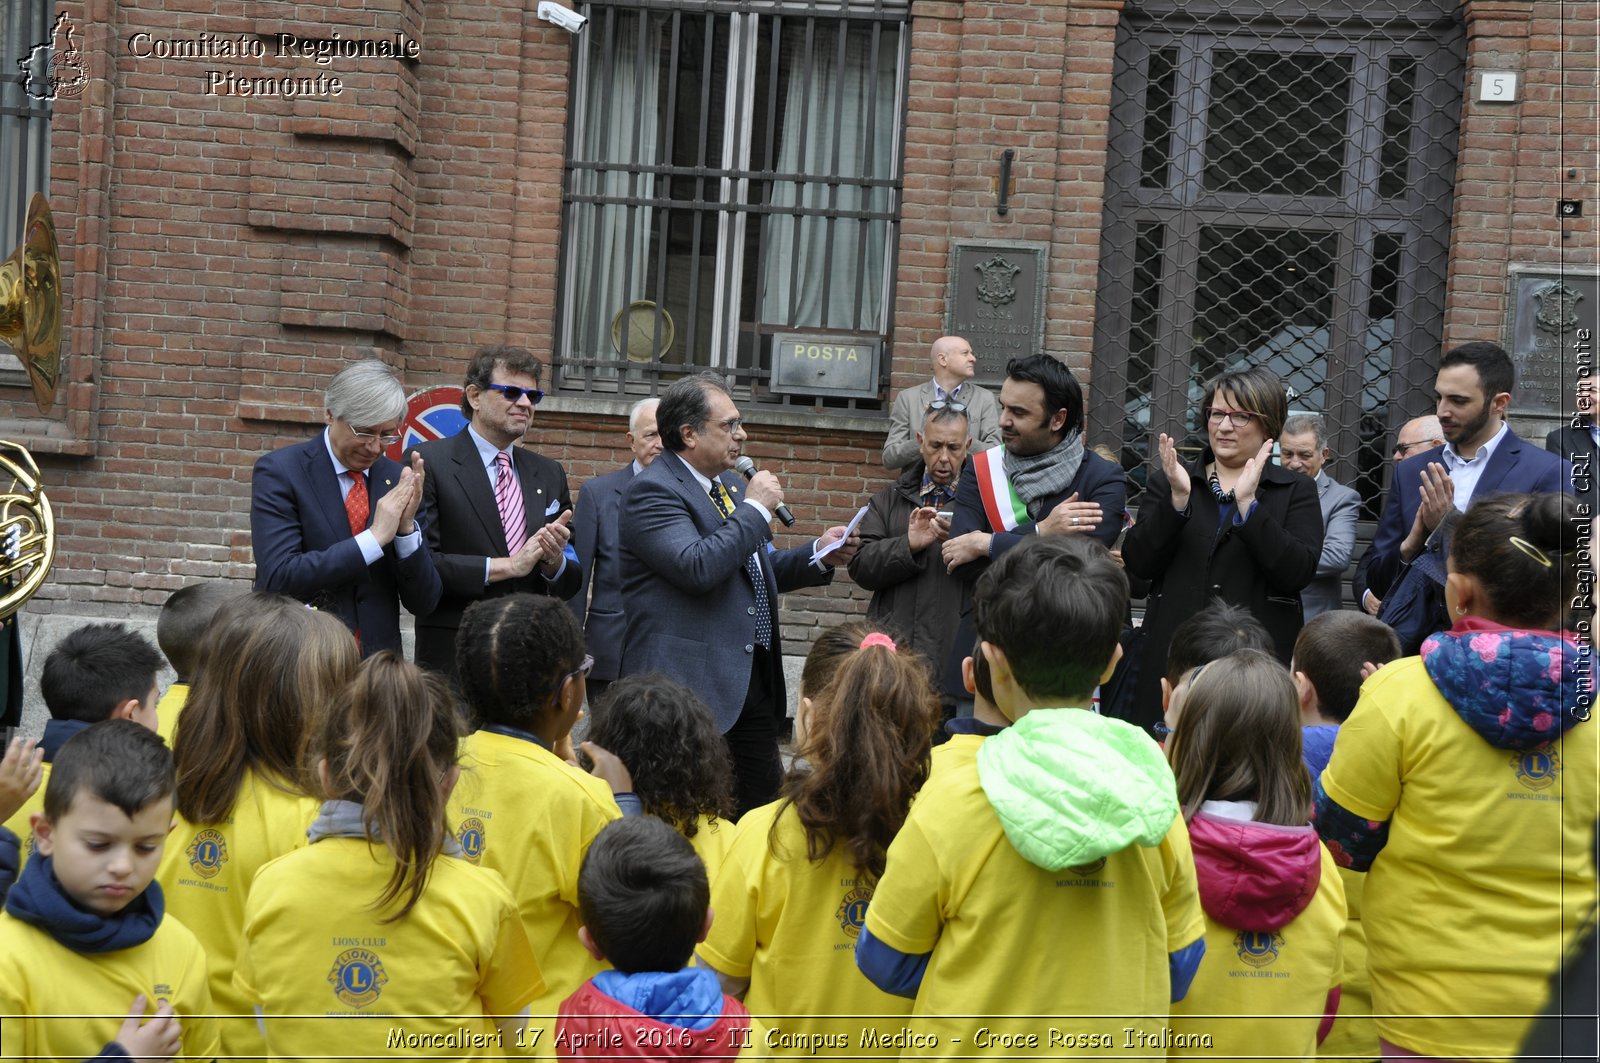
(1040, 481)
(594, 536)
(700, 579)
(334, 523)
(497, 513)
(1416, 435)
(1579, 444)
(1481, 456)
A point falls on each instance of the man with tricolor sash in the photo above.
(1041, 480)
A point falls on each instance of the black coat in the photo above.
(1261, 565)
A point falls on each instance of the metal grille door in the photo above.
(1278, 195)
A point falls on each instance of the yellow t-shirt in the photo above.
(1487, 874)
(206, 874)
(1353, 1036)
(21, 824)
(790, 927)
(59, 1004)
(712, 840)
(1277, 983)
(314, 949)
(168, 708)
(530, 815)
(1087, 945)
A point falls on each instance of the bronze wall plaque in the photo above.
(1549, 309)
(996, 302)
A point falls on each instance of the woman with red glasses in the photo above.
(1231, 525)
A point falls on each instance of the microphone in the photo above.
(747, 469)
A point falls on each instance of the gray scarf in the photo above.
(1039, 476)
(342, 819)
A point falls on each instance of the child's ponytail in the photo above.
(866, 749)
(389, 742)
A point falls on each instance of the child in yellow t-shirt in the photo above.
(1468, 780)
(796, 885)
(180, 628)
(677, 759)
(97, 672)
(83, 932)
(373, 938)
(269, 665)
(645, 901)
(1275, 909)
(1044, 871)
(521, 808)
(1333, 654)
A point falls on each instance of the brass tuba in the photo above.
(30, 322)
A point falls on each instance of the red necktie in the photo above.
(355, 504)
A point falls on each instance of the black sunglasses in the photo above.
(514, 394)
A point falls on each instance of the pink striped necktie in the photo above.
(508, 496)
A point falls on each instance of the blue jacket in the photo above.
(690, 605)
(303, 546)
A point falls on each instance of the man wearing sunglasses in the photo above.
(336, 524)
(497, 513)
(954, 366)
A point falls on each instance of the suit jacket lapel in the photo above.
(534, 500)
(326, 490)
(1501, 461)
(473, 480)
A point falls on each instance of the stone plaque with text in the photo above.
(996, 302)
(1548, 311)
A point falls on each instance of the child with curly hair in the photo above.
(678, 759)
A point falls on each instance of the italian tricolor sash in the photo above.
(1001, 502)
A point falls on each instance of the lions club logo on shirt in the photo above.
(852, 912)
(1537, 769)
(1257, 949)
(472, 838)
(207, 853)
(357, 977)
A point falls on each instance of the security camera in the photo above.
(564, 17)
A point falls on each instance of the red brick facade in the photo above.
(226, 254)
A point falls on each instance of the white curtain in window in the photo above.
(622, 127)
(827, 109)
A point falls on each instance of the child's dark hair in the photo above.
(865, 753)
(643, 895)
(1521, 549)
(1214, 632)
(120, 762)
(1054, 605)
(1331, 649)
(269, 665)
(184, 620)
(389, 740)
(95, 669)
(666, 736)
(1239, 740)
(511, 655)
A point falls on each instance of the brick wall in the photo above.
(1517, 159)
(225, 254)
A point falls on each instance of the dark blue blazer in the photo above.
(595, 537)
(689, 604)
(1516, 465)
(303, 546)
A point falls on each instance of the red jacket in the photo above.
(593, 1025)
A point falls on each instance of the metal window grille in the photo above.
(24, 122)
(733, 174)
(1279, 185)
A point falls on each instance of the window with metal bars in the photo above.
(25, 88)
(1278, 195)
(733, 174)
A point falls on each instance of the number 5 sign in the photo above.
(1497, 86)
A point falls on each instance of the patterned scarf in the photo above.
(1038, 476)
